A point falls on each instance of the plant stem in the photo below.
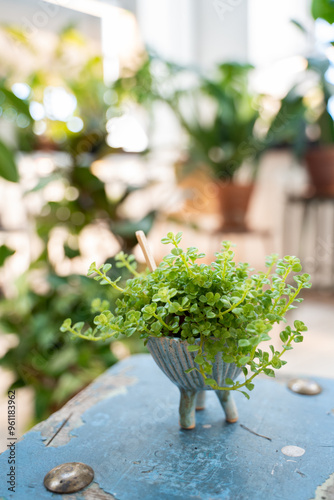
(234, 305)
(292, 299)
(108, 280)
(184, 260)
(130, 268)
(247, 381)
(162, 322)
(282, 282)
(87, 337)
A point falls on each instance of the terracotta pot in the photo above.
(173, 358)
(200, 192)
(234, 202)
(320, 166)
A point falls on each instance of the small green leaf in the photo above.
(211, 382)
(92, 269)
(276, 362)
(243, 343)
(300, 326)
(5, 252)
(284, 336)
(66, 325)
(78, 326)
(264, 337)
(228, 358)
(199, 359)
(8, 168)
(210, 314)
(193, 348)
(178, 237)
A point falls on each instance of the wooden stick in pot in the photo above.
(146, 250)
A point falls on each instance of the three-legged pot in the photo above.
(173, 358)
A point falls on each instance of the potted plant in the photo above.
(219, 116)
(203, 324)
(305, 117)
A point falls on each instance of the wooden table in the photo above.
(125, 426)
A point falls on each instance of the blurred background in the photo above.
(210, 117)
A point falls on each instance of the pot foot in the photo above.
(187, 428)
(200, 401)
(228, 405)
(187, 409)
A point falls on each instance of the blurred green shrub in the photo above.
(44, 359)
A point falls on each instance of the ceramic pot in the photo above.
(173, 358)
(320, 166)
(234, 202)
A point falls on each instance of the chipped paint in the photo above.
(92, 492)
(134, 445)
(326, 490)
(104, 388)
(293, 451)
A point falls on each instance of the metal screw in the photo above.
(304, 386)
(69, 477)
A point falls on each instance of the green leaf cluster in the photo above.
(221, 309)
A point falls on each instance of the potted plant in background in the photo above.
(320, 157)
(305, 117)
(219, 117)
(204, 324)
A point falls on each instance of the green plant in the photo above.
(305, 115)
(43, 358)
(323, 9)
(218, 308)
(224, 140)
(16, 112)
(218, 113)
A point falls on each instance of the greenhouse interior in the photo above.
(181, 153)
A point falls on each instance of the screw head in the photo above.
(304, 386)
(69, 477)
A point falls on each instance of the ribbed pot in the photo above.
(173, 357)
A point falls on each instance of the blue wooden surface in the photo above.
(131, 438)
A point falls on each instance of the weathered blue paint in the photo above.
(173, 358)
(133, 443)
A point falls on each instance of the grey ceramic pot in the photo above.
(173, 358)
